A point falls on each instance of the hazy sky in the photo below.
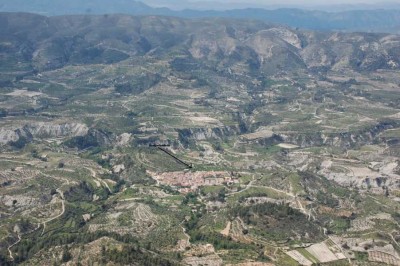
(314, 2)
(206, 4)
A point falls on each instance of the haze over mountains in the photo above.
(52, 42)
(331, 6)
(375, 20)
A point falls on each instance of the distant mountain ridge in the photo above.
(223, 5)
(45, 43)
(355, 20)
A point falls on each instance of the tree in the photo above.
(221, 195)
(61, 164)
(20, 143)
(66, 255)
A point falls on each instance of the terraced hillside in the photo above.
(294, 139)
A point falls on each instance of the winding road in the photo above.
(55, 217)
(9, 248)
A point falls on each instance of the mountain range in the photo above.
(376, 20)
(52, 42)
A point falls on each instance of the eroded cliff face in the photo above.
(348, 139)
(207, 133)
(13, 134)
(341, 139)
(102, 137)
(42, 130)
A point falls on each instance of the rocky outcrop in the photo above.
(207, 133)
(13, 135)
(42, 130)
(341, 139)
(93, 138)
(102, 137)
(49, 130)
(273, 140)
(124, 139)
